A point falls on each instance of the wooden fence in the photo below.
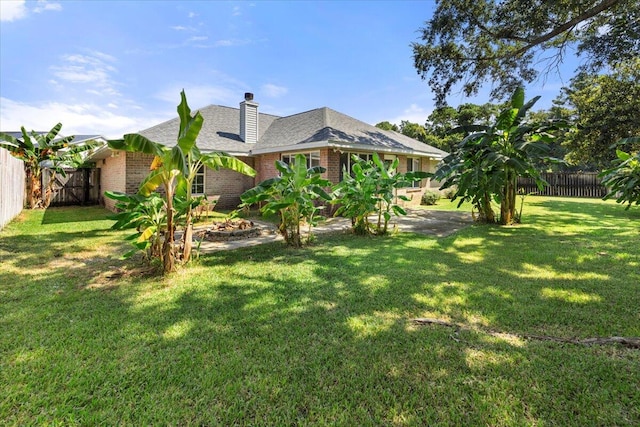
(565, 184)
(78, 187)
(12, 187)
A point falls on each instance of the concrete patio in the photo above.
(422, 221)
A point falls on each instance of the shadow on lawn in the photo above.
(324, 339)
(69, 214)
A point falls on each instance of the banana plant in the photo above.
(291, 196)
(34, 149)
(146, 215)
(194, 161)
(623, 178)
(486, 164)
(371, 190)
(174, 168)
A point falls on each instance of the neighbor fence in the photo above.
(566, 184)
(12, 187)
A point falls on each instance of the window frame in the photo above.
(200, 173)
(411, 167)
(361, 155)
(313, 157)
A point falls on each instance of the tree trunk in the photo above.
(48, 190)
(487, 210)
(168, 251)
(187, 236)
(188, 242)
(508, 204)
(33, 188)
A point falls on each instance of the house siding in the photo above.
(226, 186)
(138, 167)
(125, 172)
(113, 174)
(415, 194)
(265, 166)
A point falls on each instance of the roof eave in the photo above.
(346, 146)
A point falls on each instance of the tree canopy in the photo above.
(604, 108)
(506, 43)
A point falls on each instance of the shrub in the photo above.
(430, 197)
(449, 193)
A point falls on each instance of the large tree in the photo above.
(472, 42)
(605, 108)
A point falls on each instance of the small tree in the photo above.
(36, 149)
(291, 195)
(485, 165)
(623, 179)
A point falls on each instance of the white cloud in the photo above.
(201, 95)
(192, 15)
(87, 118)
(12, 10)
(198, 38)
(231, 42)
(236, 11)
(92, 69)
(272, 91)
(44, 5)
(414, 114)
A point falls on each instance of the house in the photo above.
(326, 137)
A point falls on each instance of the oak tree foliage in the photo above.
(507, 43)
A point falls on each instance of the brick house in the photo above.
(325, 136)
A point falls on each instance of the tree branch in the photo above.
(629, 342)
(531, 43)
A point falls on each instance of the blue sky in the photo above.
(110, 67)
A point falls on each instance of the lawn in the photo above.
(323, 335)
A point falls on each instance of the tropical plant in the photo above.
(623, 179)
(194, 161)
(171, 169)
(39, 150)
(486, 164)
(292, 196)
(371, 190)
(144, 213)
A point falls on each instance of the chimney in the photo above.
(249, 119)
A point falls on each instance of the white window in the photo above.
(313, 158)
(347, 162)
(197, 186)
(413, 165)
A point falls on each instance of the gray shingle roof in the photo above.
(220, 132)
(325, 124)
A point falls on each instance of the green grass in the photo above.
(322, 336)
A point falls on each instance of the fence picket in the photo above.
(565, 184)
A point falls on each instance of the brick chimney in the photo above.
(249, 119)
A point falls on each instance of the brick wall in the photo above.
(112, 177)
(227, 186)
(265, 166)
(138, 165)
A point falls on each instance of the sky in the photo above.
(115, 67)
